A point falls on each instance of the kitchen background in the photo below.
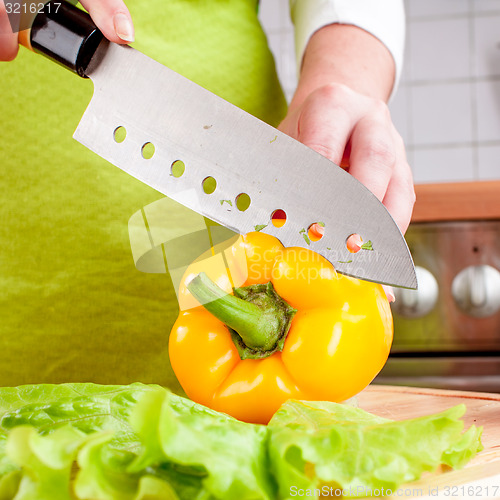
(447, 109)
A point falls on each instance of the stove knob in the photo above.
(476, 290)
(417, 303)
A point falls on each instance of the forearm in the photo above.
(347, 55)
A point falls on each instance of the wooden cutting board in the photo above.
(481, 477)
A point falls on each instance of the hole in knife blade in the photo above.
(120, 134)
(148, 150)
(243, 202)
(177, 169)
(278, 218)
(354, 243)
(316, 231)
(209, 184)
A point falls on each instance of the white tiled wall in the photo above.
(275, 19)
(447, 108)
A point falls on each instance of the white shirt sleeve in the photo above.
(384, 19)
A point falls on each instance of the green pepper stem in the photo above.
(256, 313)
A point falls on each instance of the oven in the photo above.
(447, 333)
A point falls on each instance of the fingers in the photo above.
(373, 152)
(9, 45)
(400, 196)
(378, 160)
(325, 121)
(377, 155)
(389, 292)
(357, 132)
(112, 18)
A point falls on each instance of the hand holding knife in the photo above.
(215, 139)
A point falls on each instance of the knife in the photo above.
(214, 158)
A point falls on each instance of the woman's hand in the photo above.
(339, 109)
(356, 131)
(111, 17)
(8, 40)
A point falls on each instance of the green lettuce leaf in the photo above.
(98, 412)
(46, 462)
(317, 444)
(105, 474)
(230, 455)
(9, 484)
(151, 488)
(198, 471)
(86, 407)
(47, 465)
(102, 471)
(137, 442)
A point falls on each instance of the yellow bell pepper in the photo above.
(295, 329)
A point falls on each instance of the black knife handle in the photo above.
(65, 34)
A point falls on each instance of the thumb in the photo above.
(113, 18)
(8, 40)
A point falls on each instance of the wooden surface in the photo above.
(457, 201)
(483, 409)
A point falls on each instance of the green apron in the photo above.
(73, 307)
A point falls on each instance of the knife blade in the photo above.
(175, 135)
